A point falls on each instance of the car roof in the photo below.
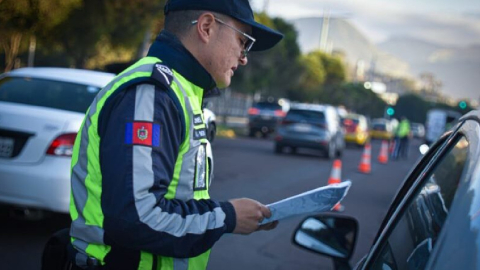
(79, 76)
(312, 107)
(354, 116)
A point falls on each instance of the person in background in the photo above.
(402, 135)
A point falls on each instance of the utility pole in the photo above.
(324, 33)
(265, 5)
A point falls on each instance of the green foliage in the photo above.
(20, 18)
(355, 97)
(77, 31)
(116, 24)
(415, 108)
(314, 71)
(28, 16)
(321, 72)
(412, 107)
(273, 72)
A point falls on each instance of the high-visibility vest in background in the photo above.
(192, 163)
(403, 129)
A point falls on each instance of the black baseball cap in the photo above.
(265, 37)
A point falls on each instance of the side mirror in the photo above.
(330, 235)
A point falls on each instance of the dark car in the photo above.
(432, 223)
(311, 126)
(263, 118)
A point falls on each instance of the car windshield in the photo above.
(267, 106)
(47, 93)
(309, 116)
(379, 126)
(351, 121)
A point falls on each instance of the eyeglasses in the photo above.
(247, 44)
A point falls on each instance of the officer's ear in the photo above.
(206, 27)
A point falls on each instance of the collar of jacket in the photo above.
(171, 51)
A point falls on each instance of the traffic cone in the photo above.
(365, 166)
(335, 178)
(383, 156)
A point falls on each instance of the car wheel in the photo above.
(278, 149)
(211, 132)
(339, 152)
(251, 133)
(331, 151)
(293, 150)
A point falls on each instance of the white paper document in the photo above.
(314, 201)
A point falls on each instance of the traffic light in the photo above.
(390, 111)
(462, 104)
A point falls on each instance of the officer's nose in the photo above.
(243, 60)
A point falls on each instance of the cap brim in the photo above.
(265, 38)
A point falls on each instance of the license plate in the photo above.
(302, 128)
(6, 147)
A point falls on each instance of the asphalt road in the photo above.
(249, 168)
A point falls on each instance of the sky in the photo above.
(447, 22)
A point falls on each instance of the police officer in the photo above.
(402, 135)
(141, 167)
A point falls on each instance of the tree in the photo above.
(273, 72)
(20, 18)
(321, 72)
(413, 107)
(97, 28)
(355, 97)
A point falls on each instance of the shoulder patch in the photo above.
(142, 133)
(163, 74)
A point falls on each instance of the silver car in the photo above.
(311, 126)
(41, 110)
(434, 220)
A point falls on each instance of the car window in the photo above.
(306, 116)
(47, 93)
(414, 235)
(267, 106)
(379, 126)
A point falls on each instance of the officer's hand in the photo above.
(249, 213)
(268, 226)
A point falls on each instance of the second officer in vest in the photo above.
(141, 168)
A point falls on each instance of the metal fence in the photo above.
(230, 104)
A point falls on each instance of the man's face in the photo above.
(226, 52)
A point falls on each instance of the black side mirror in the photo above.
(326, 234)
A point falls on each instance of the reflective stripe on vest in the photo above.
(190, 180)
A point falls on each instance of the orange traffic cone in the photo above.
(365, 166)
(335, 178)
(383, 156)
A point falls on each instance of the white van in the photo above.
(439, 121)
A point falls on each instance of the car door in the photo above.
(429, 206)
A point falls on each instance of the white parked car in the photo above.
(210, 122)
(41, 110)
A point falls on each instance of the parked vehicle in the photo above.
(418, 130)
(381, 129)
(433, 221)
(263, 118)
(211, 123)
(311, 126)
(356, 129)
(439, 121)
(41, 110)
